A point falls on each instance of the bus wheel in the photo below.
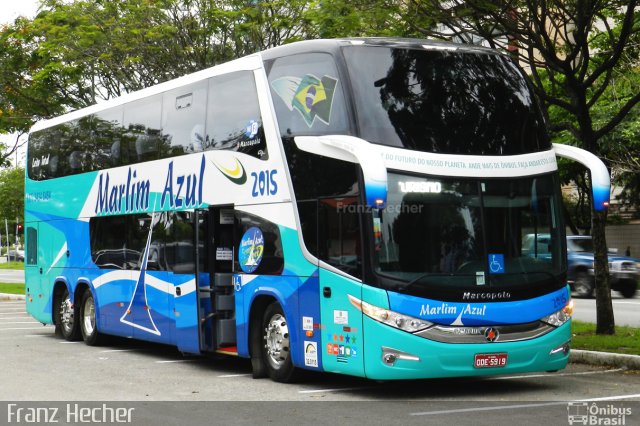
(88, 328)
(276, 345)
(65, 317)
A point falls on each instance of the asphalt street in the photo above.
(39, 366)
(625, 311)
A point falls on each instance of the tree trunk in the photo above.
(604, 307)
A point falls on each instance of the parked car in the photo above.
(17, 255)
(624, 271)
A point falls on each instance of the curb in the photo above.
(5, 296)
(632, 362)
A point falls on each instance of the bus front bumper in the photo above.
(394, 354)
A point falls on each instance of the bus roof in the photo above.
(254, 61)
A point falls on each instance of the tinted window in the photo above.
(32, 246)
(233, 117)
(162, 126)
(142, 129)
(119, 242)
(307, 95)
(313, 186)
(340, 236)
(183, 118)
(444, 102)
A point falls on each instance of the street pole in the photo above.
(6, 228)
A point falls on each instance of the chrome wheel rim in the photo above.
(89, 317)
(277, 341)
(66, 314)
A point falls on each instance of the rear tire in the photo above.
(583, 285)
(276, 349)
(87, 319)
(65, 317)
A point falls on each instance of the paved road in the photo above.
(11, 276)
(39, 366)
(625, 311)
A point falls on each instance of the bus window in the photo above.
(142, 126)
(183, 118)
(32, 246)
(233, 115)
(307, 95)
(340, 236)
(107, 134)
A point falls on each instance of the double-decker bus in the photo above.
(357, 206)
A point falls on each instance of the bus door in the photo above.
(340, 246)
(35, 271)
(214, 279)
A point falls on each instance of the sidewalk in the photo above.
(631, 362)
(5, 296)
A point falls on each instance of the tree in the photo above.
(555, 40)
(11, 197)
(74, 54)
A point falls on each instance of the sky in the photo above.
(9, 11)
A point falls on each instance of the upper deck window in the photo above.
(444, 102)
(307, 95)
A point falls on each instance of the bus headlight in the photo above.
(558, 318)
(390, 318)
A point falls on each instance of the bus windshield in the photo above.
(444, 102)
(468, 232)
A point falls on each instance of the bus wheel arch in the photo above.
(64, 312)
(258, 308)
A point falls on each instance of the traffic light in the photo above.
(19, 228)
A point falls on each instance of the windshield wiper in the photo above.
(405, 287)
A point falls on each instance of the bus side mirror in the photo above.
(600, 181)
(354, 150)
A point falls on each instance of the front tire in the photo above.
(88, 323)
(276, 346)
(583, 285)
(65, 317)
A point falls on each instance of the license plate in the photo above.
(490, 360)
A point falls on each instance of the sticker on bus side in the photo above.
(311, 96)
(310, 354)
(251, 249)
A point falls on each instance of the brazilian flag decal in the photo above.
(310, 96)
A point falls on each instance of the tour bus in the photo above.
(353, 206)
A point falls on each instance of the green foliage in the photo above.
(11, 197)
(356, 18)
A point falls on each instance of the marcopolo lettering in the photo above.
(502, 295)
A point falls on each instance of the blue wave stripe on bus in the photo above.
(479, 313)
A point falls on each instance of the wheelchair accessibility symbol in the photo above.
(496, 263)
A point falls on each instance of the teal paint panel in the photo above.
(342, 334)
